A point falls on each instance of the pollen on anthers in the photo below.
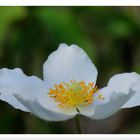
(74, 94)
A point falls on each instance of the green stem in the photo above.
(78, 124)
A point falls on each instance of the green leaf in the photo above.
(7, 16)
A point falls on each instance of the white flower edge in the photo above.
(7, 89)
(29, 93)
(119, 91)
(68, 63)
(62, 58)
(38, 110)
(135, 100)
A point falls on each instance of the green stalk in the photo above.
(78, 124)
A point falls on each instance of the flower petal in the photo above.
(135, 100)
(68, 63)
(16, 82)
(50, 104)
(107, 109)
(87, 110)
(118, 91)
(38, 110)
(124, 81)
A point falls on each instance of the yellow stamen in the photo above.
(73, 94)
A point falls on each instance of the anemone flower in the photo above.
(69, 88)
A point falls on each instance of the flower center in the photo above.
(74, 94)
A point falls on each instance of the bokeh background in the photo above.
(110, 36)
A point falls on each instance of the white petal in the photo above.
(68, 63)
(49, 104)
(107, 109)
(118, 91)
(38, 110)
(16, 82)
(123, 82)
(119, 83)
(135, 99)
(87, 110)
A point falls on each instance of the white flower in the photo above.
(68, 88)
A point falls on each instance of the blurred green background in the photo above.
(110, 36)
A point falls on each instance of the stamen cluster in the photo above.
(73, 94)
